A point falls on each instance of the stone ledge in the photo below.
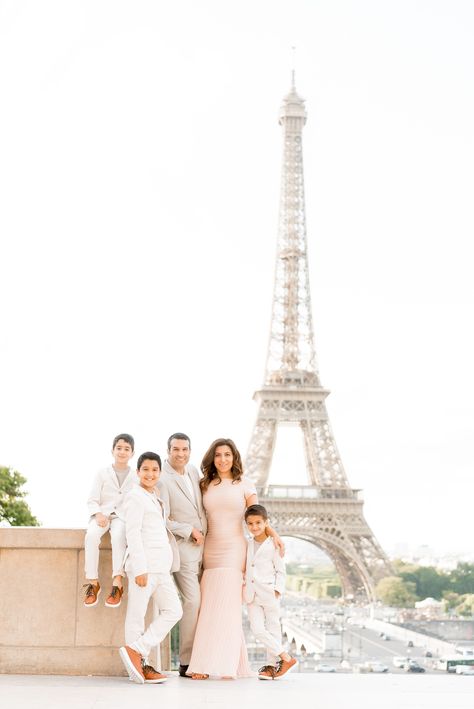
(45, 538)
(44, 625)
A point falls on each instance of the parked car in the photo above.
(376, 666)
(414, 666)
(428, 653)
(400, 661)
(465, 670)
(324, 667)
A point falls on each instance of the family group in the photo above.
(180, 538)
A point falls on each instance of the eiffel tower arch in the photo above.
(327, 511)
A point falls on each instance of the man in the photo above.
(180, 491)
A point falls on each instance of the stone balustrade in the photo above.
(44, 626)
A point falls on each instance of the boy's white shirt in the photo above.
(106, 495)
(151, 546)
(264, 572)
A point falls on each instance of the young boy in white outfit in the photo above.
(105, 505)
(152, 556)
(264, 584)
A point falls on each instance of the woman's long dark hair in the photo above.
(208, 468)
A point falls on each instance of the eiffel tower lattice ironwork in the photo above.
(326, 511)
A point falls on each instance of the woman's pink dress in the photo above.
(219, 644)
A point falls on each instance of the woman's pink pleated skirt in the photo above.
(219, 645)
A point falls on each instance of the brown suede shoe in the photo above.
(115, 597)
(91, 594)
(151, 675)
(284, 666)
(267, 672)
(132, 661)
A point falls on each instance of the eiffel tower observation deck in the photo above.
(327, 511)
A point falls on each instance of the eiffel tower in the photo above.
(326, 511)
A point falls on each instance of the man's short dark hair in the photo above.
(180, 437)
(149, 455)
(124, 437)
(257, 511)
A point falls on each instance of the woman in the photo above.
(219, 644)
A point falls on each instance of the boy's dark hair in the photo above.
(257, 511)
(124, 437)
(180, 437)
(149, 455)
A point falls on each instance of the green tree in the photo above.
(429, 582)
(403, 568)
(13, 507)
(394, 591)
(462, 578)
(451, 600)
(466, 607)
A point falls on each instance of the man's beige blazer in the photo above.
(185, 511)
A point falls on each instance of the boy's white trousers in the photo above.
(166, 612)
(265, 623)
(92, 541)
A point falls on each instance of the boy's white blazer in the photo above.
(264, 573)
(106, 495)
(151, 546)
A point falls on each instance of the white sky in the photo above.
(139, 181)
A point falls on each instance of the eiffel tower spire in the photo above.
(326, 511)
(291, 346)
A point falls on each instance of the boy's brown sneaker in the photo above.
(267, 672)
(151, 675)
(132, 661)
(284, 666)
(115, 597)
(91, 594)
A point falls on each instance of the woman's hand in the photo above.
(141, 580)
(277, 540)
(197, 537)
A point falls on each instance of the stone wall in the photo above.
(439, 647)
(44, 626)
(451, 630)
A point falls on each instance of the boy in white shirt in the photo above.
(264, 583)
(152, 556)
(105, 505)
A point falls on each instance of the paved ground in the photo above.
(298, 691)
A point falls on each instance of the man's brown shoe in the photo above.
(115, 597)
(151, 675)
(91, 594)
(284, 666)
(132, 661)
